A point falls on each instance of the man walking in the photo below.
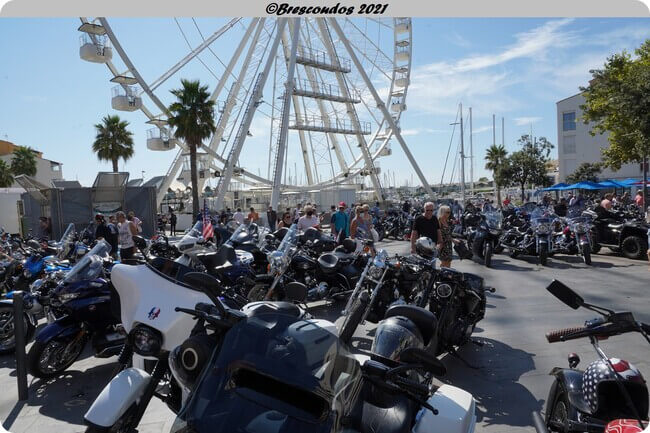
(272, 218)
(425, 225)
(340, 224)
(172, 222)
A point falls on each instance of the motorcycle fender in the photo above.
(116, 397)
(571, 381)
(62, 327)
(456, 412)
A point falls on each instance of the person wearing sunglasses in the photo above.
(425, 225)
(285, 221)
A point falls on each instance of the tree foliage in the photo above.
(6, 175)
(192, 114)
(496, 160)
(528, 165)
(585, 171)
(23, 161)
(618, 101)
(113, 140)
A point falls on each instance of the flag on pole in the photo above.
(208, 231)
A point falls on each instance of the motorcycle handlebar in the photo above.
(562, 334)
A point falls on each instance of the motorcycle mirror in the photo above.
(415, 355)
(295, 292)
(565, 294)
(205, 283)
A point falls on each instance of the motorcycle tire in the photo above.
(633, 247)
(8, 339)
(34, 364)
(352, 320)
(543, 254)
(560, 412)
(257, 293)
(487, 254)
(586, 255)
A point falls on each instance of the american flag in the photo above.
(208, 231)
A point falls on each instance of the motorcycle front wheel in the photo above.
(50, 358)
(352, 320)
(543, 254)
(7, 332)
(586, 255)
(487, 254)
(257, 293)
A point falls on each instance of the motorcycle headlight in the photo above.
(543, 229)
(146, 341)
(375, 272)
(65, 297)
(444, 290)
(580, 228)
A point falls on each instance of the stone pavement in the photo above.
(509, 378)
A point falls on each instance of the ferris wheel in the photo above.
(331, 92)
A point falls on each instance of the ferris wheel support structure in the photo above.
(382, 107)
(255, 97)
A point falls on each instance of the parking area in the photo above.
(507, 373)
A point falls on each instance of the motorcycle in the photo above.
(575, 238)
(154, 298)
(483, 240)
(610, 389)
(542, 222)
(82, 303)
(457, 300)
(273, 369)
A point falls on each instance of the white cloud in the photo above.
(457, 39)
(418, 131)
(529, 44)
(520, 121)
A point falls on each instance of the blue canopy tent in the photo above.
(556, 187)
(585, 185)
(612, 184)
(628, 183)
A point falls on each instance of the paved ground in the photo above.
(510, 378)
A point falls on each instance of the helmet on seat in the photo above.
(425, 247)
(604, 395)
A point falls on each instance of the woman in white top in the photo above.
(308, 220)
(126, 231)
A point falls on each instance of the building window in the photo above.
(569, 143)
(569, 121)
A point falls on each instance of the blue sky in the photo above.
(514, 68)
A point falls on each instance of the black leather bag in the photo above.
(462, 251)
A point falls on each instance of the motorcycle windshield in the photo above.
(542, 215)
(66, 242)
(380, 259)
(290, 240)
(90, 265)
(276, 373)
(575, 211)
(494, 219)
(195, 232)
(239, 235)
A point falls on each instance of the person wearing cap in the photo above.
(103, 231)
(341, 222)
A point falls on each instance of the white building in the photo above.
(46, 170)
(576, 145)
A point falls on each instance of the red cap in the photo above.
(342, 204)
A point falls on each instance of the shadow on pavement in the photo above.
(67, 397)
(504, 265)
(500, 399)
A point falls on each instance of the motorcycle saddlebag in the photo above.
(462, 251)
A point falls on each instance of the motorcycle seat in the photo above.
(424, 319)
(264, 307)
(224, 256)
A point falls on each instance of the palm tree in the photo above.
(6, 176)
(193, 117)
(113, 140)
(495, 158)
(23, 161)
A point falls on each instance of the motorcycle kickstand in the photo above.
(455, 354)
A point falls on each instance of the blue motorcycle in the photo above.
(83, 306)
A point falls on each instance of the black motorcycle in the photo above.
(483, 238)
(609, 388)
(83, 307)
(457, 299)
